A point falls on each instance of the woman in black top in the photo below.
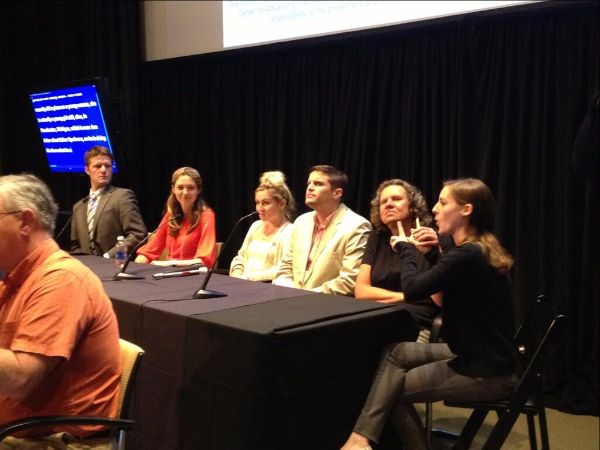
(477, 362)
(396, 203)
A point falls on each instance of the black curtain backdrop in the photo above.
(495, 95)
(47, 42)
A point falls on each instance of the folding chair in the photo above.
(534, 341)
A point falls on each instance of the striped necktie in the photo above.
(91, 211)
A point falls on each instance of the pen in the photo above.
(183, 273)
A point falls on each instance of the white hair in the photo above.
(26, 191)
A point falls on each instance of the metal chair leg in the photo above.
(428, 420)
(501, 430)
(531, 430)
(543, 428)
(470, 429)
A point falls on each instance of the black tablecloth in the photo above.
(263, 368)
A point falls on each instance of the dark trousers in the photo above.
(412, 372)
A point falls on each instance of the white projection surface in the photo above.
(253, 22)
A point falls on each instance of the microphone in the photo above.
(70, 219)
(207, 293)
(62, 230)
(122, 275)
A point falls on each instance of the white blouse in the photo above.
(259, 257)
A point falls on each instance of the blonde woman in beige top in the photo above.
(258, 258)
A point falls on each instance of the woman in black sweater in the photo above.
(396, 204)
(477, 360)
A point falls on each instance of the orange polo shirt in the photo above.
(51, 304)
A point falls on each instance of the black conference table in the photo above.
(266, 367)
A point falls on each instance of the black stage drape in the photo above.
(496, 95)
(47, 42)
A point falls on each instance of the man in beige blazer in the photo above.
(327, 244)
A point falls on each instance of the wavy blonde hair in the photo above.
(476, 193)
(274, 182)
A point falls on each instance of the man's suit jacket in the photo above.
(337, 258)
(117, 214)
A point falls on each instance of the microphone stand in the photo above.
(122, 275)
(62, 230)
(207, 293)
(84, 201)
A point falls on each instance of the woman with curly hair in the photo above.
(396, 209)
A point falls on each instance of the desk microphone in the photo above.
(62, 230)
(71, 214)
(121, 274)
(207, 293)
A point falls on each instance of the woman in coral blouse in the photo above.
(189, 236)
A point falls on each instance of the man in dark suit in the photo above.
(107, 212)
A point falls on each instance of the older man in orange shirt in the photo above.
(59, 349)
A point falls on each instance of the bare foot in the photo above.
(356, 442)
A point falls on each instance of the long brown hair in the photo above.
(476, 193)
(174, 208)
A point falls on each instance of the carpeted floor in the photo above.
(566, 431)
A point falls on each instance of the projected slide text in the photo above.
(70, 122)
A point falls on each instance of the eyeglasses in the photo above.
(9, 213)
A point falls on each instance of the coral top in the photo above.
(199, 243)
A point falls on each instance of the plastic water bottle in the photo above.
(120, 251)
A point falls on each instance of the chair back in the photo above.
(533, 330)
(131, 356)
(540, 332)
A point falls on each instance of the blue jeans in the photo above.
(412, 372)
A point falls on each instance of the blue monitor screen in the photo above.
(70, 121)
